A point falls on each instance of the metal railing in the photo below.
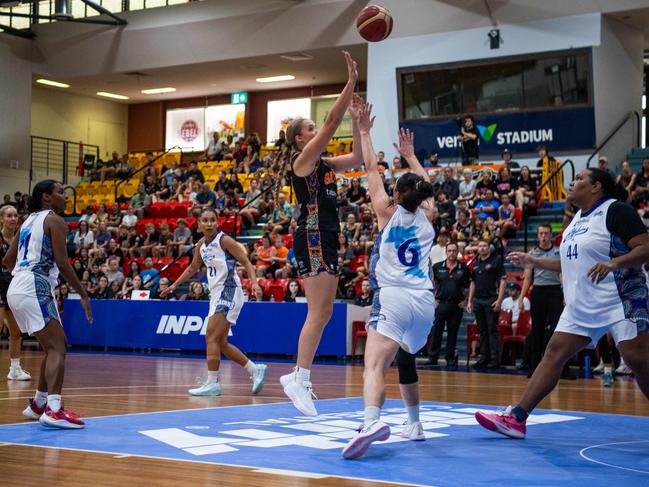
(618, 127)
(526, 212)
(58, 159)
(149, 164)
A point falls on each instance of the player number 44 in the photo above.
(572, 252)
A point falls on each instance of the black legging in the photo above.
(546, 306)
(407, 367)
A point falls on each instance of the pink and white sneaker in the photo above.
(503, 422)
(413, 431)
(61, 419)
(368, 434)
(33, 411)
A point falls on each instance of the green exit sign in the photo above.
(241, 97)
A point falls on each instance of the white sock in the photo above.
(250, 366)
(608, 370)
(212, 376)
(40, 398)
(15, 363)
(302, 374)
(413, 413)
(372, 413)
(54, 402)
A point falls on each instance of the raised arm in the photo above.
(355, 159)
(406, 148)
(380, 199)
(306, 161)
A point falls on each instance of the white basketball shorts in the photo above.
(620, 330)
(403, 315)
(31, 299)
(229, 301)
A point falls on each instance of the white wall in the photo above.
(15, 95)
(617, 85)
(384, 58)
(61, 115)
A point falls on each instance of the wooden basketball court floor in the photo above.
(117, 384)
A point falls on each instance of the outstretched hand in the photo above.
(352, 67)
(406, 145)
(365, 119)
(521, 259)
(355, 107)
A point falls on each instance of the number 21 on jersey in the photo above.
(572, 252)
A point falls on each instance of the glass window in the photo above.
(542, 82)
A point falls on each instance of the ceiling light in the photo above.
(52, 83)
(112, 95)
(272, 79)
(157, 91)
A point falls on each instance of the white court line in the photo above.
(203, 462)
(585, 457)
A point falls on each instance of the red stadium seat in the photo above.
(358, 330)
(523, 329)
(472, 335)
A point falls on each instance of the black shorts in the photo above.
(4, 286)
(316, 252)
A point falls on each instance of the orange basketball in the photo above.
(374, 23)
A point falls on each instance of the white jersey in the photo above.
(401, 253)
(621, 295)
(35, 252)
(222, 278)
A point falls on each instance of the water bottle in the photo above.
(272, 298)
(587, 366)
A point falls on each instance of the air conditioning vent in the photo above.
(298, 56)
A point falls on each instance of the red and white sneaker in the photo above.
(33, 411)
(367, 434)
(61, 419)
(503, 422)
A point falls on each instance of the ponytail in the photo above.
(413, 190)
(36, 199)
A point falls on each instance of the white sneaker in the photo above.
(368, 434)
(258, 377)
(600, 368)
(17, 373)
(300, 393)
(413, 431)
(623, 369)
(207, 389)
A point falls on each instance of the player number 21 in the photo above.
(572, 251)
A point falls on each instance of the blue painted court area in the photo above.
(562, 448)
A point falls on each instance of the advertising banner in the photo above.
(269, 328)
(521, 132)
(224, 119)
(281, 112)
(186, 129)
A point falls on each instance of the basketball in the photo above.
(374, 23)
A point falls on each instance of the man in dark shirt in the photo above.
(223, 183)
(469, 138)
(195, 172)
(206, 198)
(366, 296)
(450, 185)
(451, 281)
(486, 293)
(507, 159)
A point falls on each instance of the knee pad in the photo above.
(407, 367)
